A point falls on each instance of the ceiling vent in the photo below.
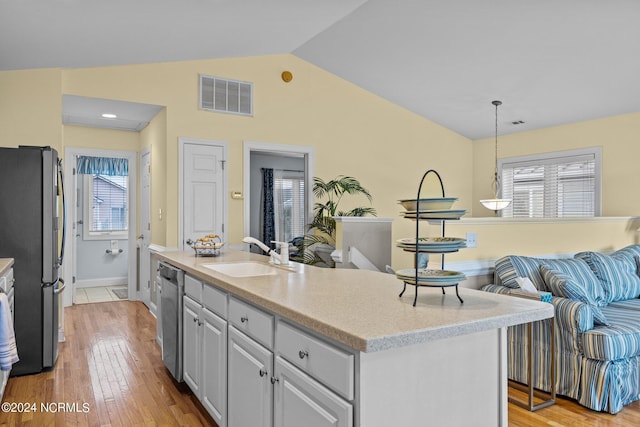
(226, 96)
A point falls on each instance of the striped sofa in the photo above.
(597, 312)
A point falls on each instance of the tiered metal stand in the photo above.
(418, 250)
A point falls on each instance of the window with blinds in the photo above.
(289, 204)
(106, 200)
(552, 185)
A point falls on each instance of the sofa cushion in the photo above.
(510, 267)
(630, 304)
(619, 340)
(562, 285)
(616, 273)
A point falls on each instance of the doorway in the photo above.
(284, 157)
(101, 234)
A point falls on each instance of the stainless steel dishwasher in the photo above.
(172, 290)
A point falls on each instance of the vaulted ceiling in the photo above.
(549, 61)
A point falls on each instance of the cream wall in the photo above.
(31, 108)
(104, 139)
(353, 132)
(619, 137)
(154, 137)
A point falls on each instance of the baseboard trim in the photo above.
(94, 283)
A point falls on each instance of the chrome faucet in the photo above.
(281, 258)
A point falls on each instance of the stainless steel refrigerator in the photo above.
(30, 227)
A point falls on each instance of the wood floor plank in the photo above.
(111, 362)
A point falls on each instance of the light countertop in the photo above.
(5, 264)
(361, 309)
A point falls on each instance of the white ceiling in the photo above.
(549, 61)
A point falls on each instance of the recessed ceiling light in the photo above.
(109, 116)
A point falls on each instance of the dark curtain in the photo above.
(267, 215)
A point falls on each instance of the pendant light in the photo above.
(496, 204)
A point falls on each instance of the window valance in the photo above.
(89, 165)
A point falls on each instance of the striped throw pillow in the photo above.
(513, 266)
(563, 285)
(616, 273)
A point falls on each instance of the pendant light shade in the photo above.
(496, 204)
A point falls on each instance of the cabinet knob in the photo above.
(274, 380)
(303, 354)
(244, 319)
(263, 372)
(195, 320)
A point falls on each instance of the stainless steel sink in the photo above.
(243, 269)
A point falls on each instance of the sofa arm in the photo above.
(572, 319)
(496, 289)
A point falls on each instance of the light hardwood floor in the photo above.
(110, 362)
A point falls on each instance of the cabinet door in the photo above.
(250, 393)
(214, 366)
(302, 401)
(192, 344)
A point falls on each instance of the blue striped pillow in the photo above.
(510, 267)
(563, 285)
(616, 273)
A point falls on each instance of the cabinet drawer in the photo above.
(193, 288)
(323, 361)
(252, 321)
(215, 300)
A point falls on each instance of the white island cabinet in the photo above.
(338, 347)
(250, 389)
(205, 346)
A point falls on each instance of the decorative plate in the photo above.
(435, 214)
(431, 276)
(428, 204)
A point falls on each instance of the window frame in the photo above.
(87, 217)
(300, 206)
(559, 157)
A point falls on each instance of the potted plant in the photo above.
(316, 246)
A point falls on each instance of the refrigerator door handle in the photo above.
(64, 213)
(60, 286)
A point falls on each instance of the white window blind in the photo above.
(552, 185)
(289, 205)
(107, 200)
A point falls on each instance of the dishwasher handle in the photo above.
(169, 273)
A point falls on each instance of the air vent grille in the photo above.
(227, 96)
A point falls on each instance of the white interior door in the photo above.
(203, 190)
(73, 209)
(144, 238)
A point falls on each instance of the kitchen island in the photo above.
(439, 363)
